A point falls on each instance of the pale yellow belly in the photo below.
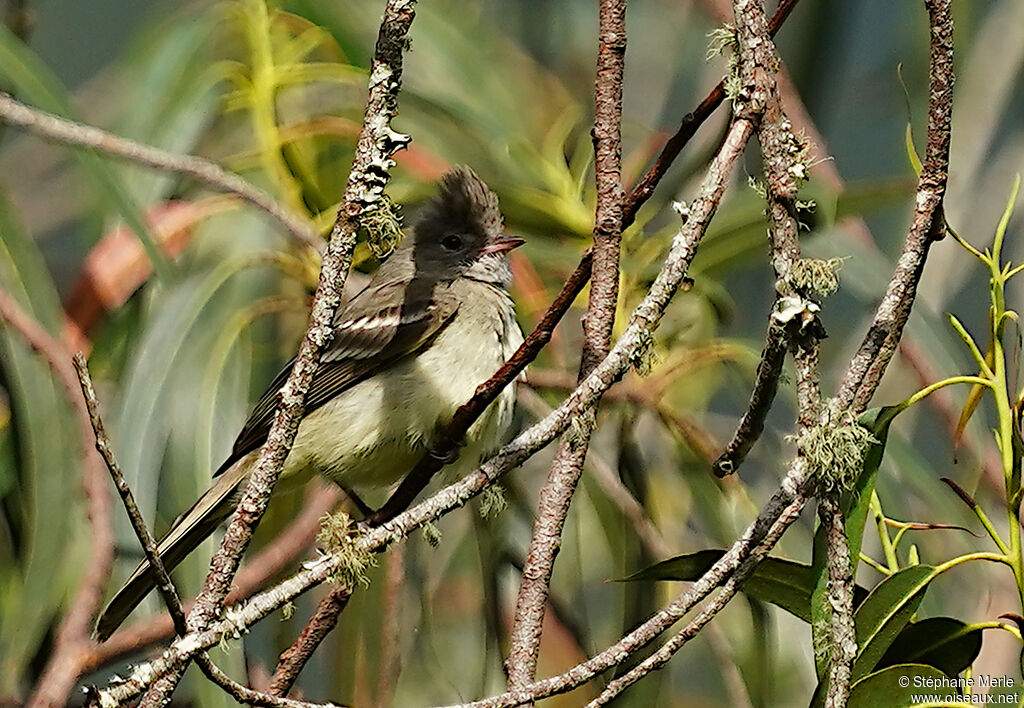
(374, 433)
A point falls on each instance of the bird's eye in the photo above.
(451, 243)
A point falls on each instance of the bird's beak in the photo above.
(503, 245)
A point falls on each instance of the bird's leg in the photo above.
(364, 509)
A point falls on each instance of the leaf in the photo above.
(945, 643)
(971, 404)
(782, 582)
(886, 687)
(47, 452)
(885, 613)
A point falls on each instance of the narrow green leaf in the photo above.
(897, 686)
(943, 642)
(885, 613)
(781, 582)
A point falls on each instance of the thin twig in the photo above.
(556, 495)
(72, 639)
(149, 545)
(69, 132)
(866, 368)
(766, 383)
(316, 630)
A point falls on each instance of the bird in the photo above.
(434, 321)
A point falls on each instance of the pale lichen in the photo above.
(492, 501)
(835, 453)
(338, 537)
(816, 276)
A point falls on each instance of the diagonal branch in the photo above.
(866, 368)
(149, 547)
(68, 132)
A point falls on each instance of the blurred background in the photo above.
(275, 92)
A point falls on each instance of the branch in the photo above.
(687, 129)
(319, 626)
(68, 132)
(72, 639)
(276, 557)
(369, 176)
(556, 495)
(149, 547)
(867, 366)
(766, 384)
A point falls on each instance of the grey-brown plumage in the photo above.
(434, 322)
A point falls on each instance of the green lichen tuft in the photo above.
(492, 501)
(431, 534)
(721, 40)
(835, 453)
(383, 226)
(816, 276)
(338, 537)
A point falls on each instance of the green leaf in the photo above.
(47, 452)
(784, 583)
(943, 642)
(885, 613)
(886, 687)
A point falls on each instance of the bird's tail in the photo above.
(185, 535)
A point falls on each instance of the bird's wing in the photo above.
(371, 332)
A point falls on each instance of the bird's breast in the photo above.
(373, 433)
